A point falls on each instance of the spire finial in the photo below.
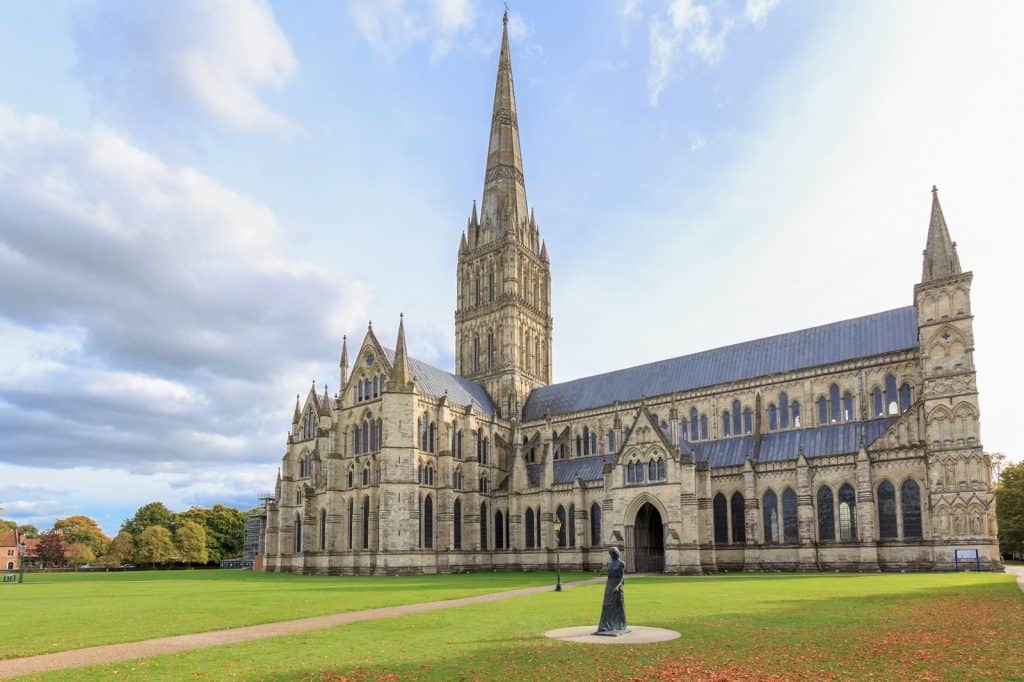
(400, 375)
(940, 257)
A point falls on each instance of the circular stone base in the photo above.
(638, 634)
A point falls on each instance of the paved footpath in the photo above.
(1019, 572)
(110, 653)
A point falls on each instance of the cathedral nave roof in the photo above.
(437, 382)
(886, 332)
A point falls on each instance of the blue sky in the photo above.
(197, 199)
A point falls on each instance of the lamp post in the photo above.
(21, 562)
(558, 566)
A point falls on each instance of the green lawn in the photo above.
(63, 611)
(915, 626)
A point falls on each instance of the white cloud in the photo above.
(215, 57)
(688, 25)
(757, 11)
(632, 9)
(393, 26)
(150, 317)
(698, 143)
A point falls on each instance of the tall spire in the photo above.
(400, 378)
(503, 208)
(297, 415)
(940, 257)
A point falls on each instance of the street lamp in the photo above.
(558, 566)
(21, 562)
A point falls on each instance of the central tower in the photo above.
(503, 310)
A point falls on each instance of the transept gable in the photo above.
(645, 437)
(371, 362)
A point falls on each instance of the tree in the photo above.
(152, 514)
(225, 529)
(28, 531)
(7, 525)
(1010, 508)
(191, 541)
(80, 553)
(51, 549)
(121, 550)
(154, 545)
(81, 529)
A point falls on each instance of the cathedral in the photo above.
(850, 446)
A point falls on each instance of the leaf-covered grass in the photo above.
(59, 611)
(924, 627)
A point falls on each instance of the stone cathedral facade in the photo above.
(854, 445)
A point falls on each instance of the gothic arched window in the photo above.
(726, 423)
(794, 407)
(298, 533)
(457, 518)
(833, 399)
(770, 503)
(790, 525)
(351, 506)
(366, 521)
(529, 522)
(739, 524)
(586, 440)
(560, 517)
(694, 433)
(822, 410)
(595, 525)
(910, 504)
(483, 526)
(737, 417)
(887, 527)
(773, 418)
(366, 475)
(611, 441)
(847, 513)
(323, 529)
(847, 406)
(490, 350)
(878, 402)
(572, 525)
(826, 514)
(905, 397)
(783, 410)
(892, 405)
(721, 515)
(704, 427)
(499, 530)
(428, 522)
(748, 420)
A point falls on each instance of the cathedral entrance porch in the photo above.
(645, 548)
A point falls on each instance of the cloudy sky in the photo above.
(198, 198)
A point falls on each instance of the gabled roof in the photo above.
(437, 382)
(780, 446)
(886, 332)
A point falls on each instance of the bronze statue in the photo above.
(613, 610)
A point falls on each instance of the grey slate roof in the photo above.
(776, 446)
(567, 470)
(886, 332)
(779, 446)
(434, 381)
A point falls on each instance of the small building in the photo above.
(9, 555)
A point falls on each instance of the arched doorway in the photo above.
(648, 540)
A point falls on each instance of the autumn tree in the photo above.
(51, 549)
(121, 550)
(28, 531)
(80, 553)
(1010, 508)
(154, 545)
(81, 529)
(190, 539)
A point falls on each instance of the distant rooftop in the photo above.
(886, 332)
